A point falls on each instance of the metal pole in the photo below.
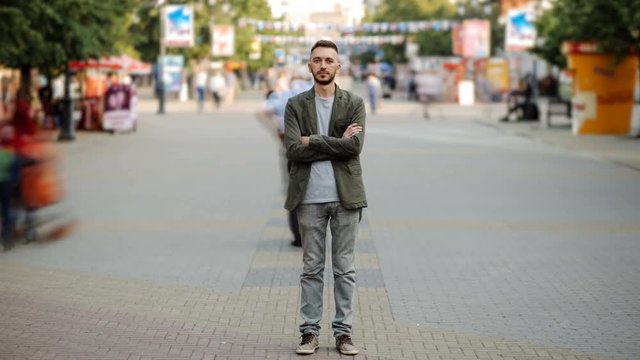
(160, 76)
(66, 125)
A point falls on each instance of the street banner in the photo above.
(223, 40)
(521, 32)
(256, 49)
(178, 26)
(118, 108)
(476, 35)
(172, 66)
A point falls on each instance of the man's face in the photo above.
(324, 65)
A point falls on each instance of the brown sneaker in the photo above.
(308, 345)
(344, 344)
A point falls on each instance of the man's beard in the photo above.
(324, 82)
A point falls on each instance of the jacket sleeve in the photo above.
(297, 152)
(339, 147)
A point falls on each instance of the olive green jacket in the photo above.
(300, 119)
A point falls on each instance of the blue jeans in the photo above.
(201, 93)
(313, 220)
(373, 101)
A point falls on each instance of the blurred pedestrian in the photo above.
(201, 87)
(519, 101)
(326, 188)
(413, 85)
(231, 80)
(374, 90)
(218, 88)
(272, 117)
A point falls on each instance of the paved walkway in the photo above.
(127, 286)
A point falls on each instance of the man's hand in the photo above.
(353, 129)
(304, 140)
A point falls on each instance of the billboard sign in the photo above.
(178, 26)
(223, 40)
(476, 38)
(521, 31)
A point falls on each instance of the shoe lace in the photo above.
(345, 339)
(307, 338)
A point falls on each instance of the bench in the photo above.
(558, 106)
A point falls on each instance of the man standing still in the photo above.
(324, 134)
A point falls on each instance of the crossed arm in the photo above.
(321, 147)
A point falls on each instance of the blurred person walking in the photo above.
(272, 117)
(201, 87)
(218, 88)
(374, 90)
(231, 80)
(412, 87)
(324, 135)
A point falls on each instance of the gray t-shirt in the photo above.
(322, 182)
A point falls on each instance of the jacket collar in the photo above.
(311, 93)
(311, 107)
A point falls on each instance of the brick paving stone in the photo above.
(48, 312)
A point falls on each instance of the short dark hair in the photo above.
(324, 43)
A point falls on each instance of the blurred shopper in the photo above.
(23, 120)
(374, 90)
(7, 159)
(231, 80)
(272, 117)
(201, 87)
(283, 81)
(326, 188)
(520, 102)
(412, 87)
(45, 94)
(218, 88)
(31, 182)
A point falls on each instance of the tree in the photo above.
(613, 24)
(437, 43)
(47, 34)
(429, 42)
(255, 9)
(146, 28)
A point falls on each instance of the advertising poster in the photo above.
(256, 49)
(172, 66)
(178, 26)
(476, 36)
(521, 32)
(497, 74)
(223, 40)
(456, 34)
(118, 108)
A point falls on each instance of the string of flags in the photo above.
(346, 40)
(376, 27)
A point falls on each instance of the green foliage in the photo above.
(255, 9)
(431, 43)
(436, 43)
(146, 29)
(47, 33)
(614, 24)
